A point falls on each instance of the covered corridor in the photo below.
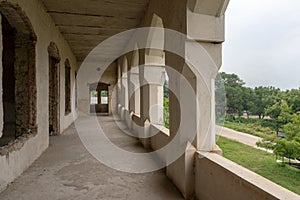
(64, 60)
(67, 171)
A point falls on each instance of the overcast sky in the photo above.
(263, 42)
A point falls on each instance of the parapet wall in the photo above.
(215, 177)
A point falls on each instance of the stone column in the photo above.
(134, 90)
(196, 115)
(152, 78)
(119, 88)
(206, 133)
(125, 85)
(124, 94)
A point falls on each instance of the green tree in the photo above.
(166, 89)
(166, 113)
(280, 112)
(285, 114)
(292, 97)
(248, 100)
(292, 128)
(234, 92)
(280, 149)
(264, 97)
(285, 148)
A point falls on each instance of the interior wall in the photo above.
(15, 160)
(109, 76)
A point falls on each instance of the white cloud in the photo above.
(263, 42)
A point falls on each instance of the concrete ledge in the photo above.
(208, 175)
(220, 178)
(137, 125)
(205, 27)
(161, 138)
(208, 7)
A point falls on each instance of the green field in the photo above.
(262, 163)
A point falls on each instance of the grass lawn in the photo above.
(262, 163)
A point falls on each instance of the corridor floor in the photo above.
(67, 171)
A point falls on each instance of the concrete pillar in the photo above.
(124, 107)
(134, 91)
(125, 83)
(196, 114)
(152, 78)
(205, 139)
(134, 83)
(119, 88)
(183, 121)
(206, 59)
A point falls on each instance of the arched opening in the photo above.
(99, 98)
(68, 107)
(166, 99)
(54, 92)
(8, 82)
(18, 111)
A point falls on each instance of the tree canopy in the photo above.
(283, 108)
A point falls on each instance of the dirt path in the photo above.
(244, 138)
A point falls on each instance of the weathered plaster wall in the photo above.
(1, 104)
(16, 161)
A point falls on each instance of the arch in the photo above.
(19, 73)
(54, 89)
(54, 52)
(18, 19)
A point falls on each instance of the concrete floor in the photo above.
(67, 171)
